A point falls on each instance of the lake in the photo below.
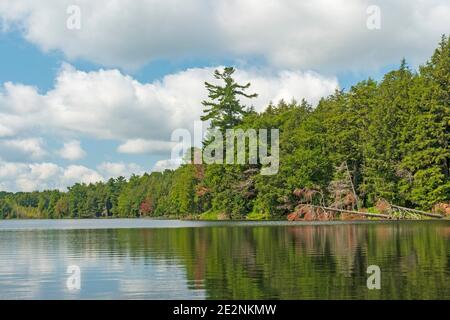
(169, 259)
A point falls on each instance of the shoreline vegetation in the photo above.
(379, 150)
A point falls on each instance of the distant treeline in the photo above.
(392, 136)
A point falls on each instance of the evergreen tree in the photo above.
(425, 165)
(382, 145)
(224, 108)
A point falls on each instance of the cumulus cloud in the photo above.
(72, 150)
(18, 176)
(36, 176)
(117, 169)
(15, 176)
(28, 177)
(286, 85)
(107, 104)
(42, 176)
(22, 149)
(167, 164)
(44, 171)
(318, 34)
(140, 146)
(77, 173)
(4, 131)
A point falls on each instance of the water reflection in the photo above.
(227, 261)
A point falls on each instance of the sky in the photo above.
(91, 90)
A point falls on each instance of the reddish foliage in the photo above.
(309, 216)
(350, 201)
(201, 191)
(146, 207)
(294, 216)
(383, 206)
(349, 216)
(199, 172)
(442, 208)
(324, 216)
(298, 192)
(302, 213)
(305, 194)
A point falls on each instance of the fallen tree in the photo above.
(309, 212)
(402, 212)
(365, 214)
(420, 212)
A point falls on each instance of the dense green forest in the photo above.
(391, 136)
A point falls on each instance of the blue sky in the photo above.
(23, 62)
(82, 105)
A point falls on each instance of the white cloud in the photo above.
(9, 170)
(22, 110)
(77, 173)
(317, 34)
(16, 176)
(37, 176)
(22, 149)
(5, 131)
(140, 146)
(44, 171)
(116, 169)
(167, 164)
(286, 85)
(107, 104)
(72, 150)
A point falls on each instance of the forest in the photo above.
(386, 139)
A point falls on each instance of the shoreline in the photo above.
(25, 225)
(171, 218)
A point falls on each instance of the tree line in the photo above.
(389, 139)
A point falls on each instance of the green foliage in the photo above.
(258, 216)
(209, 216)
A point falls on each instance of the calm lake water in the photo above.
(160, 259)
